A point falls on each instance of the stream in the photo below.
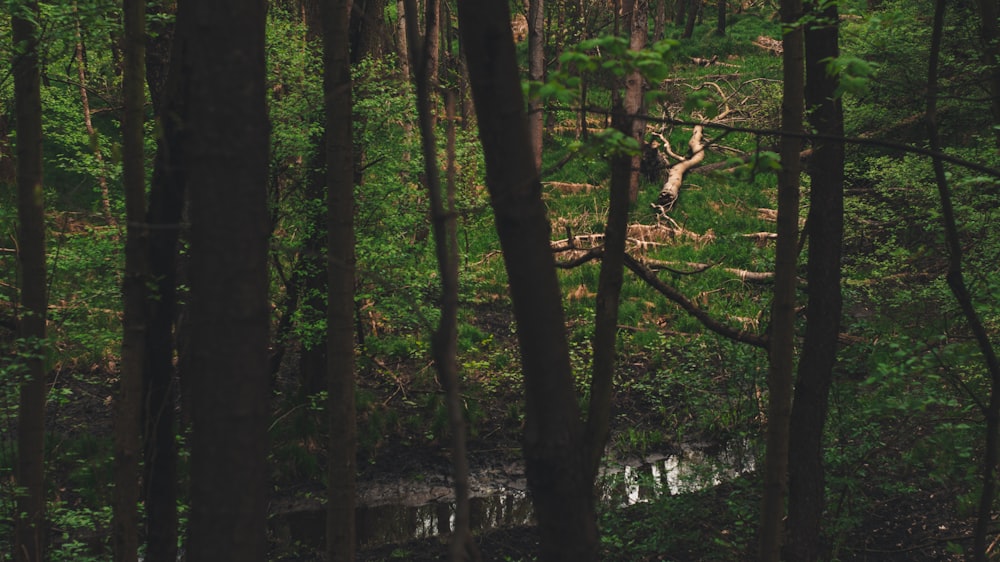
(392, 512)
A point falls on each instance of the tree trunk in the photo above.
(342, 472)
(134, 289)
(536, 73)
(30, 528)
(720, 17)
(637, 26)
(81, 69)
(694, 7)
(609, 287)
(367, 29)
(444, 346)
(659, 20)
(819, 351)
(553, 439)
(166, 202)
(782, 346)
(226, 158)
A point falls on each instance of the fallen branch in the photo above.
(710, 323)
(743, 274)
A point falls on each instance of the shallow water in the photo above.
(400, 511)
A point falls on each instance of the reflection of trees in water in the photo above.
(398, 523)
(621, 484)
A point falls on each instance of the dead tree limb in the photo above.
(710, 323)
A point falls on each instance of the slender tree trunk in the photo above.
(720, 17)
(29, 538)
(342, 473)
(956, 282)
(819, 351)
(637, 26)
(536, 73)
(782, 345)
(680, 11)
(445, 339)
(134, 289)
(553, 436)
(226, 162)
(81, 69)
(166, 202)
(609, 286)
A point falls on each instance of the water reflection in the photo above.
(396, 523)
(501, 501)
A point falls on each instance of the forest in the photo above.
(301, 280)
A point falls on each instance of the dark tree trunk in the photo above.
(720, 17)
(367, 29)
(782, 345)
(164, 53)
(29, 538)
(553, 434)
(659, 19)
(134, 290)
(680, 11)
(609, 287)
(226, 157)
(693, 10)
(340, 523)
(819, 351)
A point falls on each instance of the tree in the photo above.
(720, 17)
(553, 443)
(782, 343)
(226, 169)
(637, 26)
(444, 341)
(134, 288)
(340, 282)
(164, 74)
(825, 228)
(29, 537)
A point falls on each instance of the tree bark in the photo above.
(342, 472)
(693, 9)
(819, 351)
(553, 434)
(134, 289)
(637, 26)
(782, 343)
(164, 75)
(609, 287)
(226, 160)
(29, 537)
(720, 17)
